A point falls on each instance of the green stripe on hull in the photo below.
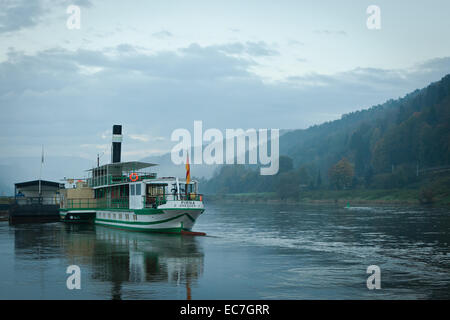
(190, 217)
(159, 230)
(146, 222)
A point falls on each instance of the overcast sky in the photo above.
(155, 66)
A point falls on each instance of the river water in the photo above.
(252, 251)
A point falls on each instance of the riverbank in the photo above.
(363, 196)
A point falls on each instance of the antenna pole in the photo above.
(40, 171)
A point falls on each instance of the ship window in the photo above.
(132, 190)
(138, 189)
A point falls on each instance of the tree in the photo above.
(341, 174)
(318, 180)
(426, 195)
(368, 176)
(288, 186)
(286, 164)
(303, 176)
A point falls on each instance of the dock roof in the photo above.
(36, 183)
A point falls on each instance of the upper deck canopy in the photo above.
(119, 173)
(124, 166)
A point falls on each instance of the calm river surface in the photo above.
(252, 251)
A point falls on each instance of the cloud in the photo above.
(49, 98)
(81, 3)
(255, 49)
(51, 92)
(331, 32)
(363, 87)
(58, 68)
(140, 137)
(145, 137)
(295, 43)
(431, 66)
(141, 153)
(260, 49)
(16, 15)
(19, 14)
(125, 48)
(163, 34)
(96, 146)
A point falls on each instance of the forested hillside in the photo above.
(386, 146)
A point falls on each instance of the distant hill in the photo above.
(385, 144)
(403, 132)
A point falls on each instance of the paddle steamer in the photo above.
(124, 195)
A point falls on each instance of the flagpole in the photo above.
(40, 171)
(188, 174)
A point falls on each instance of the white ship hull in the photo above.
(174, 218)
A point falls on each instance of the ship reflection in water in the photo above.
(137, 257)
(142, 262)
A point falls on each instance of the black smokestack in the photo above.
(116, 143)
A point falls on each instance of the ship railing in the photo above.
(153, 201)
(113, 179)
(90, 203)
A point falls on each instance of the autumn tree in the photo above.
(341, 174)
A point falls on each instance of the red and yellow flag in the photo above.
(188, 170)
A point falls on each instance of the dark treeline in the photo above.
(383, 147)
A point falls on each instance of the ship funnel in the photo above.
(116, 143)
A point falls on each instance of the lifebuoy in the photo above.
(134, 176)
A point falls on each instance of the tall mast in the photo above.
(40, 171)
